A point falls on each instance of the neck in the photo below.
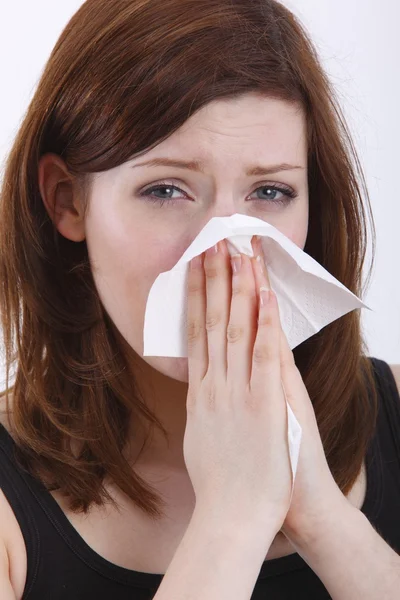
(166, 399)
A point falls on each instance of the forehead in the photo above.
(251, 126)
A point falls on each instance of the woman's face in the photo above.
(134, 233)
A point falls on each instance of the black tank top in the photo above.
(61, 566)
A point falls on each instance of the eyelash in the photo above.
(287, 191)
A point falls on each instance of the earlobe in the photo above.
(60, 196)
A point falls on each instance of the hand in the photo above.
(235, 443)
(316, 494)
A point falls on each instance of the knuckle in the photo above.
(288, 361)
(194, 287)
(264, 353)
(210, 397)
(265, 321)
(209, 393)
(212, 270)
(234, 333)
(213, 320)
(193, 331)
(241, 289)
(255, 398)
(252, 403)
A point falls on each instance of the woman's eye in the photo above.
(166, 191)
(277, 194)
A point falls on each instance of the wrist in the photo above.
(242, 526)
(322, 525)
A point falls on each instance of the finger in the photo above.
(296, 391)
(266, 373)
(262, 279)
(196, 333)
(218, 293)
(262, 271)
(287, 357)
(242, 327)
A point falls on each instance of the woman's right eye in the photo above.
(166, 187)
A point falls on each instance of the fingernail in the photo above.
(213, 250)
(196, 262)
(264, 296)
(260, 263)
(257, 240)
(236, 261)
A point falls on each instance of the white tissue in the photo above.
(309, 297)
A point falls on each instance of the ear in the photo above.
(61, 197)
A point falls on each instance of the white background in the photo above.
(359, 46)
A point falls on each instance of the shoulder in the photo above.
(13, 556)
(8, 592)
(396, 375)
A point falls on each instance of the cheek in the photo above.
(297, 235)
(126, 254)
(295, 227)
(176, 368)
(125, 262)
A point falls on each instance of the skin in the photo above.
(227, 136)
(132, 239)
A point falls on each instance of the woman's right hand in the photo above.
(235, 444)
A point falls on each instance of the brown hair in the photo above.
(123, 76)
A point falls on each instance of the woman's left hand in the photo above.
(316, 493)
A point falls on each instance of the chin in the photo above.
(175, 368)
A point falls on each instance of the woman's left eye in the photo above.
(269, 191)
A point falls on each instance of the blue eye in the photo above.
(271, 191)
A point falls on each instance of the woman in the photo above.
(114, 471)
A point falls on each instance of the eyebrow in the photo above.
(196, 165)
